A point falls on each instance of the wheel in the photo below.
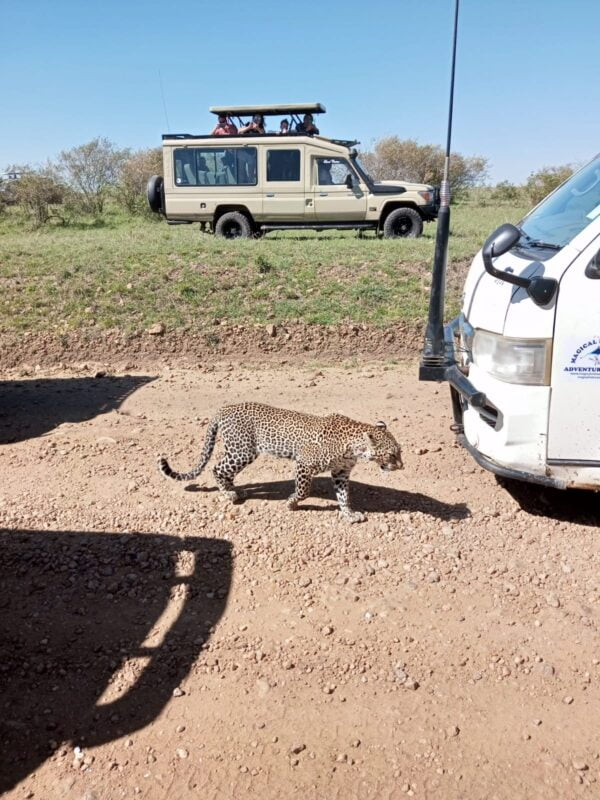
(403, 222)
(233, 225)
(154, 192)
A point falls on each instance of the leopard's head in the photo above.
(382, 448)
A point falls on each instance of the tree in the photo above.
(36, 190)
(541, 183)
(90, 170)
(405, 159)
(135, 172)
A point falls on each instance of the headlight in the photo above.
(427, 196)
(524, 361)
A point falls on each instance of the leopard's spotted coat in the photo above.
(316, 444)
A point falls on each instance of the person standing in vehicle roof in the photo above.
(257, 126)
(284, 128)
(224, 127)
(307, 126)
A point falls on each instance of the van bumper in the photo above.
(504, 428)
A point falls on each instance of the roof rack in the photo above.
(269, 111)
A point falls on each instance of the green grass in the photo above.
(128, 273)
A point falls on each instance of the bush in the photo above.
(135, 172)
(90, 170)
(36, 191)
(541, 183)
(506, 192)
(404, 159)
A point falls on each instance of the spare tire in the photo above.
(155, 195)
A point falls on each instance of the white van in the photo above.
(524, 368)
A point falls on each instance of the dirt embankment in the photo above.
(329, 343)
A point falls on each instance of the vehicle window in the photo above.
(567, 211)
(206, 166)
(333, 171)
(283, 165)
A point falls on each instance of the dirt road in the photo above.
(157, 643)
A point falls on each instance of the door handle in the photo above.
(270, 194)
(323, 194)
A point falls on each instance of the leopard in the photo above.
(317, 444)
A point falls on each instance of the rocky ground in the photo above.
(158, 643)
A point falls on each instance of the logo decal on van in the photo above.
(585, 361)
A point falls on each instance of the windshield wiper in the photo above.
(539, 243)
(544, 245)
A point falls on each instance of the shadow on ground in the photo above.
(569, 505)
(78, 617)
(33, 407)
(364, 497)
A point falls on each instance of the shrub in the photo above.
(134, 175)
(404, 159)
(90, 170)
(506, 192)
(541, 183)
(36, 191)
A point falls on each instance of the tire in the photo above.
(403, 223)
(154, 192)
(234, 225)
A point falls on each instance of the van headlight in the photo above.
(524, 361)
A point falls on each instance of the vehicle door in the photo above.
(574, 425)
(283, 187)
(339, 195)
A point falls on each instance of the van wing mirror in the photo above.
(541, 290)
(349, 181)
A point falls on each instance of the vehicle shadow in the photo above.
(33, 407)
(364, 497)
(84, 615)
(569, 505)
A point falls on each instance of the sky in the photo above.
(526, 96)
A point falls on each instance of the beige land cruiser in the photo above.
(243, 185)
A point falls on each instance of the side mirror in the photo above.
(541, 290)
(502, 240)
(349, 181)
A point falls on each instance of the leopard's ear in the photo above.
(381, 425)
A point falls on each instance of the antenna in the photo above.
(162, 94)
(436, 354)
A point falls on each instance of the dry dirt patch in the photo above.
(447, 647)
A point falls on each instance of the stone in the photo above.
(579, 764)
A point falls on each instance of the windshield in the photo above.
(568, 211)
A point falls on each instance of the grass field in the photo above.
(129, 273)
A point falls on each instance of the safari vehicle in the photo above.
(523, 357)
(247, 185)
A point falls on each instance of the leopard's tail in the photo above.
(209, 445)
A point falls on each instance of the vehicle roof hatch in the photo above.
(279, 109)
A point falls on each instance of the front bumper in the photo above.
(429, 212)
(504, 428)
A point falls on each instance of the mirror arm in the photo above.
(541, 290)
